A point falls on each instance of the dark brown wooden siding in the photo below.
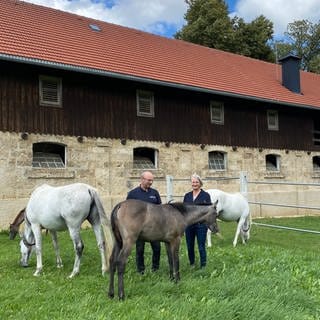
(97, 106)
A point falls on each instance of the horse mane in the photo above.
(19, 218)
(180, 206)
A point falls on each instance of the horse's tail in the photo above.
(106, 226)
(114, 224)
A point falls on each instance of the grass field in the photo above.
(275, 276)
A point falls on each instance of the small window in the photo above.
(217, 112)
(94, 27)
(316, 163)
(272, 162)
(217, 160)
(50, 89)
(145, 103)
(145, 158)
(273, 120)
(316, 132)
(48, 155)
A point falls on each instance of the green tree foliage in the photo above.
(302, 39)
(208, 24)
(254, 37)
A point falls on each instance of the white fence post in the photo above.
(169, 180)
(243, 183)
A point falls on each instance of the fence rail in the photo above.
(285, 183)
(284, 205)
(243, 186)
(285, 228)
(244, 182)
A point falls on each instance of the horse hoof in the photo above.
(111, 295)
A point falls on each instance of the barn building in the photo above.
(86, 100)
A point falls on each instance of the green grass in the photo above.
(275, 276)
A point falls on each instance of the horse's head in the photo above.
(211, 221)
(13, 230)
(26, 246)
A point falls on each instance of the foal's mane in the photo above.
(183, 207)
(180, 206)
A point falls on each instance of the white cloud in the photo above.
(280, 12)
(165, 17)
(161, 17)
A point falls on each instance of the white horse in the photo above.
(61, 208)
(232, 207)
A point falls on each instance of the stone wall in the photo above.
(107, 165)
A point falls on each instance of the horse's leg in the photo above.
(113, 265)
(170, 260)
(174, 246)
(56, 248)
(209, 238)
(101, 245)
(78, 248)
(121, 266)
(239, 226)
(245, 230)
(36, 229)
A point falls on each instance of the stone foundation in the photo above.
(107, 165)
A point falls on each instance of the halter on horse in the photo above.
(134, 219)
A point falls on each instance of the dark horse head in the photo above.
(13, 231)
(211, 218)
(14, 226)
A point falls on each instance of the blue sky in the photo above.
(165, 17)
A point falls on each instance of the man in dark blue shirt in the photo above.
(145, 193)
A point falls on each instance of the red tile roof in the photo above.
(44, 35)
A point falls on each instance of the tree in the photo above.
(252, 39)
(302, 39)
(208, 24)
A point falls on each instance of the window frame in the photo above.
(51, 151)
(219, 106)
(213, 166)
(149, 100)
(316, 163)
(277, 159)
(316, 132)
(146, 152)
(273, 125)
(58, 91)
